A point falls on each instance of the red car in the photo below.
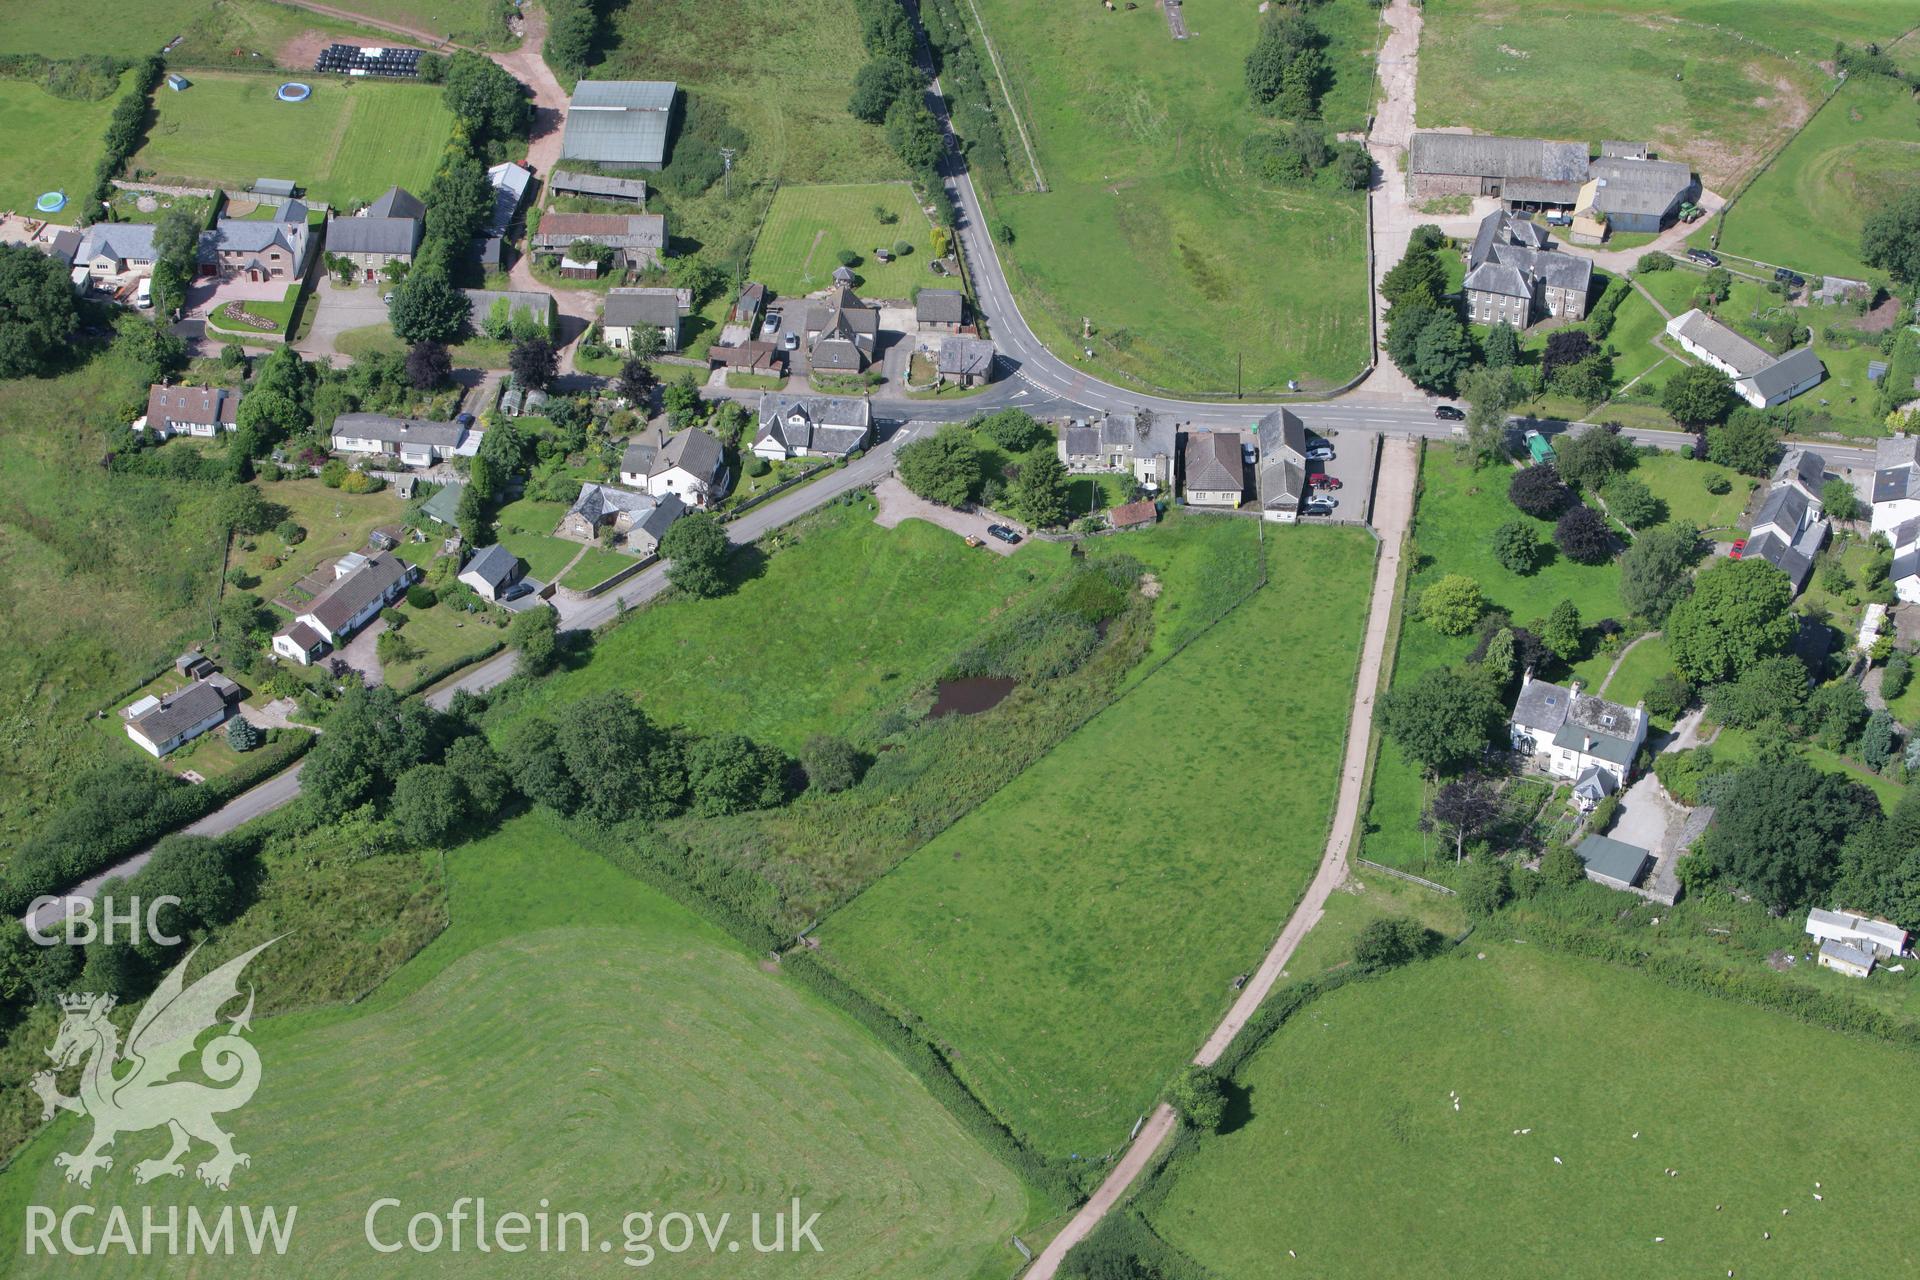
(1321, 480)
(1738, 549)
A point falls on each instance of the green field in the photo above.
(49, 144)
(349, 142)
(1073, 938)
(846, 616)
(1355, 1160)
(808, 227)
(575, 1036)
(481, 22)
(240, 32)
(1681, 483)
(1715, 84)
(595, 567)
(1155, 229)
(1807, 209)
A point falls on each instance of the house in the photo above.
(115, 248)
(1614, 863)
(764, 359)
(619, 124)
(1905, 573)
(846, 333)
(1570, 732)
(939, 310)
(1759, 377)
(1140, 445)
(189, 411)
(361, 588)
(637, 519)
(1214, 469)
(1853, 943)
(1133, 515)
(751, 302)
(300, 643)
(811, 426)
(1514, 277)
(639, 240)
(243, 249)
(180, 717)
(1803, 470)
(636, 460)
(1520, 171)
(521, 303)
(1788, 533)
(492, 570)
(692, 466)
(415, 443)
(963, 362)
(1896, 481)
(565, 182)
(62, 248)
(1632, 193)
(388, 230)
(1281, 440)
(628, 310)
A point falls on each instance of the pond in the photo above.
(969, 696)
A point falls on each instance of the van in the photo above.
(143, 296)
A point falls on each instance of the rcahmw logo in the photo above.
(131, 1089)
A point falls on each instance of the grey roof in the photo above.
(598, 501)
(291, 211)
(373, 235)
(492, 250)
(397, 202)
(231, 235)
(1282, 440)
(1626, 150)
(274, 186)
(1556, 270)
(1600, 728)
(66, 243)
(1123, 433)
(753, 296)
(1786, 373)
(180, 711)
(1081, 442)
(849, 317)
(1498, 277)
(1541, 706)
(126, 241)
(1791, 555)
(965, 357)
(592, 184)
(1503, 227)
(1717, 340)
(836, 353)
(939, 306)
(637, 458)
(1540, 191)
(823, 424)
(1846, 953)
(628, 307)
(693, 451)
(1596, 782)
(1213, 461)
(494, 565)
(303, 635)
(618, 121)
(345, 597)
(1490, 157)
(665, 511)
(1638, 186)
(1883, 933)
(620, 230)
(509, 189)
(1614, 859)
(391, 430)
(1804, 465)
(1785, 509)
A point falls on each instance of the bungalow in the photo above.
(963, 362)
(939, 310)
(388, 230)
(180, 717)
(1759, 377)
(1215, 473)
(1853, 943)
(628, 310)
(637, 519)
(1141, 445)
(565, 182)
(1571, 733)
(639, 240)
(811, 426)
(415, 443)
(1614, 863)
(189, 411)
(692, 466)
(764, 359)
(492, 571)
(1282, 441)
(258, 251)
(1896, 482)
(115, 248)
(361, 588)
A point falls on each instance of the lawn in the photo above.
(595, 567)
(478, 22)
(1649, 659)
(807, 229)
(335, 524)
(1351, 1110)
(857, 614)
(242, 32)
(1681, 483)
(1717, 85)
(574, 1037)
(1637, 330)
(1155, 228)
(525, 527)
(442, 635)
(49, 144)
(347, 143)
(1807, 209)
(1074, 937)
(1365, 897)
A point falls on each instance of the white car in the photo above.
(1320, 451)
(1321, 505)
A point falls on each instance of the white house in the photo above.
(1905, 574)
(1759, 377)
(361, 588)
(811, 426)
(691, 466)
(492, 571)
(629, 310)
(415, 443)
(1571, 733)
(1896, 482)
(1788, 533)
(189, 411)
(1853, 943)
(162, 724)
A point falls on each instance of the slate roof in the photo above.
(1639, 186)
(628, 307)
(1596, 782)
(397, 202)
(620, 230)
(1896, 469)
(1614, 859)
(1786, 373)
(206, 406)
(1499, 278)
(748, 355)
(1541, 706)
(66, 243)
(274, 186)
(592, 184)
(637, 458)
(494, 565)
(1282, 440)
(618, 121)
(1717, 340)
(345, 597)
(665, 511)
(823, 424)
(126, 241)
(370, 234)
(303, 635)
(965, 357)
(231, 235)
(939, 306)
(396, 431)
(1803, 465)
(1785, 509)
(1600, 728)
(599, 501)
(693, 451)
(1122, 433)
(291, 211)
(1793, 556)
(1213, 461)
(1480, 155)
(180, 711)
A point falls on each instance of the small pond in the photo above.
(969, 696)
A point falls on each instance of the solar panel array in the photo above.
(346, 59)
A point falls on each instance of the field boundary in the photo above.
(1006, 91)
(1404, 875)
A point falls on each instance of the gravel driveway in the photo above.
(897, 504)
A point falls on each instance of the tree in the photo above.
(636, 382)
(1737, 615)
(1490, 393)
(535, 634)
(830, 762)
(241, 509)
(1890, 237)
(696, 549)
(1561, 632)
(1835, 712)
(573, 27)
(1877, 740)
(1039, 493)
(914, 134)
(729, 774)
(1632, 503)
(1440, 719)
(429, 804)
(1773, 691)
(270, 416)
(176, 256)
(1461, 810)
(426, 308)
(1537, 490)
(1200, 1098)
(1516, 545)
(1592, 457)
(1697, 396)
(534, 363)
(483, 96)
(1404, 325)
(1442, 354)
(1656, 572)
(1715, 287)
(1583, 536)
(1561, 867)
(531, 753)
(242, 736)
(943, 467)
(1840, 499)
(36, 312)
(1670, 696)
(622, 763)
(200, 872)
(459, 204)
(1286, 70)
(1014, 430)
(1893, 680)
(470, 515)
(1501, 347)
(1500, 657)
(1390, 941)
(1419, 278)
(1778, 825)
(1351, 165)
(1485, 885)
(682, 401)
(878, 85)
(372, 737)
(152, 347)
(1452, 605)
(698, 274)
(428, 365)
(1746, 442)
(1565, 347)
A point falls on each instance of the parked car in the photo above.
(791, 342)
(974, 542)
(1003, 533)
(387, 298)
(1704, 258)
(1447, 413)
(1786, 277)
(1321, 480)
(1321, 505)
(1559, 219)
(517, 590)
(464, 419)
(1319, 451)
(1739, 549)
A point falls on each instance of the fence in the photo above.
(1404, 875)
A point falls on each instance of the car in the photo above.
(974, 542)
(517, 590)
(1739, 549)
(1321, 505)
(1447, 413)
(1319, 451)
(791, 342)
(1003, 533)
(387, 298)
(1559, 219)
(464, 419)
(1321, 480)
(1704, 258)
(1787, 277)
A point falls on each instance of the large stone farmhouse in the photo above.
(1514, 277)
(1139, 445)
(388, 230)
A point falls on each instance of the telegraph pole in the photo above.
(726, 163)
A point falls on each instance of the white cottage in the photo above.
(1577, 736)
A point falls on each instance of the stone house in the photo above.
(638, 520)
(1514, 277)
(811, 426)
(388, 230)
(1139, 445)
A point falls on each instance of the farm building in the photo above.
(1759, 377)
(619, 124)
(638, 239)
(564, 182)
(1614, 863)
(630, 310)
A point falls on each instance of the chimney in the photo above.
(1573, 688)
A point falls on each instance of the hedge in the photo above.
(434, 675)
(124, 129)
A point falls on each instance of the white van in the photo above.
(143, 296)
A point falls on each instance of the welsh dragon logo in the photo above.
(126, 1091)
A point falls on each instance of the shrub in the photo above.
(334, 473)
(290, 533)
(1718, 484)
(758, 466)
(1655, 261)
(422, 596)
(1389, 942)
(1538, 491)
(1452, 605)
(1200, 1098)
(1670, 696)
(1893, 681)
(241, 734)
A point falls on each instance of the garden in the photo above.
(812, 230)
(50, 144)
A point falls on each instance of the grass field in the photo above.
(1649, 659)
(1073, 937)
(596, 566)
(1807, 209)
(464, 21)
(846, 616)
(1155, 229)
(1355, 1159)
(1715, 84)
(574, 1036)
(1637, 330)
(49, 144)
(1681, 483)
(238, 31)
(349, 142)
(807, 227)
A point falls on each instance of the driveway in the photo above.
(361, 655)
(338, 308)
(898, 503)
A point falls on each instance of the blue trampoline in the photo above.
(294, 91)
(51, 201)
